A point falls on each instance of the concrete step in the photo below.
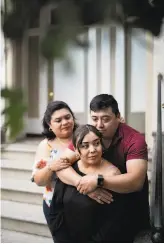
(13, 169)
(23, 217)
(19, 151)
(20, 196)
(21, 190)
(9, 236)
(10, 173)
(17, 164)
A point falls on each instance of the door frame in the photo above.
(34, 125)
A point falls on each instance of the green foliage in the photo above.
(144, 14)
(18, 14)
(71, 17)
(53, 45)
(14, 111)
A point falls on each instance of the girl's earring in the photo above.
(50, 129)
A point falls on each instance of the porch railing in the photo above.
(157, 198)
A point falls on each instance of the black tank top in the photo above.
(87, 220)
(75, 217)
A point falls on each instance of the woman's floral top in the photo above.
(41, 162)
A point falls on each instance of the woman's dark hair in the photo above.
(81, 132)
(51, 108)
(104, 101)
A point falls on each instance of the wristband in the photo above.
(100, 180)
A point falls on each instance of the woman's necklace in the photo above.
(65, 144)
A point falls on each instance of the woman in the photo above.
(75, 217)
(58, 124)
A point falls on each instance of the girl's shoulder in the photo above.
(75, 166)
(110, 167)
(106, 163)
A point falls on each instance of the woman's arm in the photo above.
(42, 172)
(43, 176)
(69, 176)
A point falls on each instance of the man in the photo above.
(126, 148)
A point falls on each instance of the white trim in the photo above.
(92, 88)
(34, 125)
(120, 70)
(112, 58)
(106, 61)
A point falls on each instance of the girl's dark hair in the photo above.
(51, 108)
(81, 132)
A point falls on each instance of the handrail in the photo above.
(157, 212)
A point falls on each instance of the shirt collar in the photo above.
(117, 136)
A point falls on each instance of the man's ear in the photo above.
(118, 116)
(122, 120)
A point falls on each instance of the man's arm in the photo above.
(131, 181)
(136, 166)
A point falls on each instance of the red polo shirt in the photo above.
(129, 144)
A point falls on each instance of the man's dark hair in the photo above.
(104, 101)
(51, 108)
(81, 132)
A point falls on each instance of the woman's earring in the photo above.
(77, 156)
(50, 129)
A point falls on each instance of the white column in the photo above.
(2, 71)
(9, 64)
(120, 71)
(92, 65)
(105, 61)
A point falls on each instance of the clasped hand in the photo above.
(60, 164)
(88, 186)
